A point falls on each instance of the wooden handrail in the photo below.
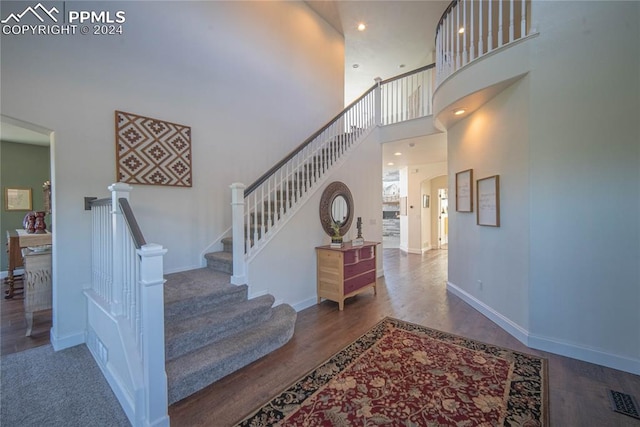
(130, 219)
(408, 73)
(251, 188)
(300, 147)
(445, 13)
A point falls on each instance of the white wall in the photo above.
(585, 181)
(252, 79)
(286, 268)
(561, 272)
(494, 141)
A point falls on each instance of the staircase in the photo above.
(212, 329)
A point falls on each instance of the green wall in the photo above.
(24, 166)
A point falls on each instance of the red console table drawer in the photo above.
(359, 281)
(361, 267)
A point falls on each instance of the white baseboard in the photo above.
(301, 305)
(520, 333)
(551, 345)
(60, 343)
(584, 353)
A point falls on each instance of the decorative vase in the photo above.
(29, 222)
(40, 226)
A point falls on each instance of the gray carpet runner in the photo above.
(212, 329)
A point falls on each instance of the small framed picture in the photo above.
(489, 201)
(464, 191)
(17, 199)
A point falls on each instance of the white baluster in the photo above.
(457, 35)
(511, 7)
(500, 40)
(490, 36)
(523, 23)
(480, 33)
(464, 34)
(472, 36)
(118, 190)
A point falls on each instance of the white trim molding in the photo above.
(548, 344)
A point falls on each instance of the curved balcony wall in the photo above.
(471, 33)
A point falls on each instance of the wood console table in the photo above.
(16, 241)
(346, 271)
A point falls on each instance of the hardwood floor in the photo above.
(14, 324)
(413, 289)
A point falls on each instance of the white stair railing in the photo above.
(470, 29)
(126, 310)
(258, 211)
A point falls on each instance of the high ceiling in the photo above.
(399, 37)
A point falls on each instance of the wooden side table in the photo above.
(37, 283)
(346, 271)
(16, 241)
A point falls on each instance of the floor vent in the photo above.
(624, 404)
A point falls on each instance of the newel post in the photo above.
(378, 101)
(118, 229)
(152, 316)
(239, 276)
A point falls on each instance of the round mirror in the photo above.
(339, 210)
(336, 207)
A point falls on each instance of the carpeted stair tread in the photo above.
(183, 335)
(220, 261)
(197, 291)
(196, 370)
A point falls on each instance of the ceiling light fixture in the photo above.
(401, 66)
(459, 111)
(397, 153)
(461, 30)
(390, 164)
(362, 26)
(356, 65)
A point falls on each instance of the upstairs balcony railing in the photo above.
(470, 29)
(407, 96)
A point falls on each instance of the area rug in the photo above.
(402, 374)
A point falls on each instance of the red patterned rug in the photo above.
(401, 374)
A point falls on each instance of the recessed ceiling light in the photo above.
(397, 153)
(461, 30)
(412, 144)
(362, 26)
(401, 66)
(356, 65)
(390, 164)
(459, 111)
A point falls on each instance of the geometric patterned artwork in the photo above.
(150, 151)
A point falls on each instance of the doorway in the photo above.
(443, 218)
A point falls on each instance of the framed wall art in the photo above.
(17, 199)
(151, 151)
(464, 191)
(488, 190)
